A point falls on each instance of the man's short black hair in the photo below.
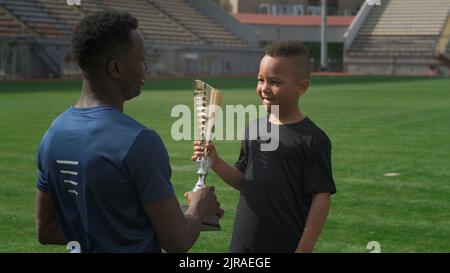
(293, 50)
(99, 35)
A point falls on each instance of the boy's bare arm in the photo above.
(315, 222)
(231, 175)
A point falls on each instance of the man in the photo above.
(104, 179)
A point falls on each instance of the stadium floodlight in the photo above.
(207, 101)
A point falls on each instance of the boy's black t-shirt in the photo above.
(276, 196)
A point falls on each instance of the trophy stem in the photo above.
(200, 184)
(202, 171)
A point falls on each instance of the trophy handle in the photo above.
(203, 164)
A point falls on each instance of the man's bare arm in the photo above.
(176, 231)
(48, 228)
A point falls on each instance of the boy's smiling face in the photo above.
(280, 83)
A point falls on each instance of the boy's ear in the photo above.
(114, 69)
(302, 87)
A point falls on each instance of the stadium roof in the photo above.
(283, 20)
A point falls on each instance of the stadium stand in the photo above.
(67, 16)
(167, 21)
(37, 17)
(11, 27)
(403, 32)
(155, 25)
(205, 28)
(443, 41)
(180, 38)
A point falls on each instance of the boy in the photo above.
(285, 193)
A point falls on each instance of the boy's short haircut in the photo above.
(294, 51)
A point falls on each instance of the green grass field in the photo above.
(376, 124)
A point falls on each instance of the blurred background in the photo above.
(223, 37)
(378, 91)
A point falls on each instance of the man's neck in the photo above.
(93, 96)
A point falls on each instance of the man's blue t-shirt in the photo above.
(100, 166)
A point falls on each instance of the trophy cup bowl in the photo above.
(206, 102)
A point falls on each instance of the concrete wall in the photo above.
(24, 61)
(218, 15)
(165, 60)
(302, 33)
(183, 61)
(246, 6)
(55, 52)
(252, 6)
(40, 60)
(350, 5)
(379, 65)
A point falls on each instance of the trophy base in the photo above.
(209, 223)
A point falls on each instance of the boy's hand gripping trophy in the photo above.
(206, 102)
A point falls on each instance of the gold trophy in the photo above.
(206, 102)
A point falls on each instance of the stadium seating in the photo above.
(170, 28)
(198, 23)
(402, 28)
(155, 25)
(161, 22)
(36, 16)
(11, 28)
(59, 9)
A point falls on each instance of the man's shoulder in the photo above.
(56, 124)
(104, 128)
(136, 134)
(147, 147)
(149, 136)
(123, 120)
